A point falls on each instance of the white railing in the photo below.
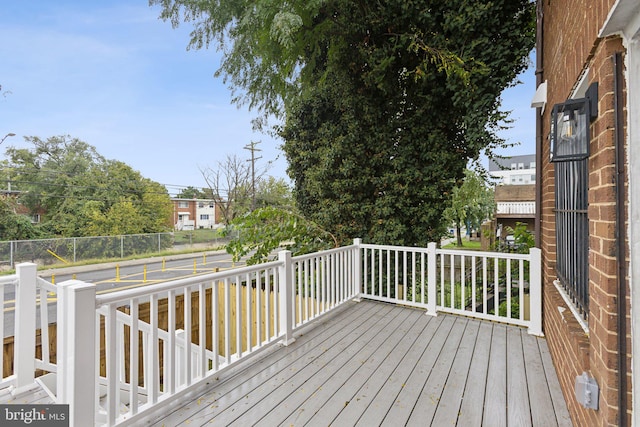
(162, 341)
(8, 286)
(516, 208)
(323, 281)
(497, 286)
(156, 345)
(24, 300)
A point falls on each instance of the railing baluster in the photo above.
(521, 288)
(238, 317)
(473, 282)
(259, 284)
(484, 285)
(388, 293)
(496, 286)
(268, 296)
(431, 279)
(215, 334)
(423, 284)
(396, 275)
(452, 281)
(249, 316)
(153, 349)
(133, 355)
(508, 290)
(227, 320)
(314, 287)
(463, 273)
(112, 365)
(413, 276)
(202, 329)
(441, 288)
(188, 369)
(170, 375)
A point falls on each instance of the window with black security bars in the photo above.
(572, 231)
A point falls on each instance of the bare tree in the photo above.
(230, 185)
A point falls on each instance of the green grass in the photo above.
(204, 235)
(466, 244)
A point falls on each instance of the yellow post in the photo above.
(204, 259)
(195, 270)
(73, 276)
(53, 279)
(144, 274)
(117, 273)
(163, 264)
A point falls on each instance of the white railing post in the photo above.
(432, 283)
(535, 291)
(357, 269)
(287, 299)
(76, 382)
(25, 327)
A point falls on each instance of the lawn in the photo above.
(466, 244)
(203, 235)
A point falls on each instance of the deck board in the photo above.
(379, 364)
(449, 404)
(346, 379)
(371, 376)
(408, 396)
(470, 412)
(495, 403)
(232, 389)
(330, 361)
(390, 392)
(518, 407)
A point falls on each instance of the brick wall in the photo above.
(570, 46)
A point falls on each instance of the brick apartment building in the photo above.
(588, 213)
(193, 214)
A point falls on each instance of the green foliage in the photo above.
(378, 142)
(523, 239)
(472, 202)
(274, 192)
(14, 226)
(191, 193)
(265, 230)
(81, 193)
(384, 102)
(515, 308)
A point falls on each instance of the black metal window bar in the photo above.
(570, 140)
(572, 231)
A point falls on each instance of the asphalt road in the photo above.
(114, 276)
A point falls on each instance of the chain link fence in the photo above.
(78, 249)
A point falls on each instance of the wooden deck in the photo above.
(377, 364)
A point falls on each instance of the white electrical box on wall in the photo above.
(587, 391)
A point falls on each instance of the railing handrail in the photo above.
(127, 294)
(323, 252)
(480, 254)
(11, 279)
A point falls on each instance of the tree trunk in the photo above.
(458, 235)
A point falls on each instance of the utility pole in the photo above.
(252, 147)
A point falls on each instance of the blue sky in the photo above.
(115, 76)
